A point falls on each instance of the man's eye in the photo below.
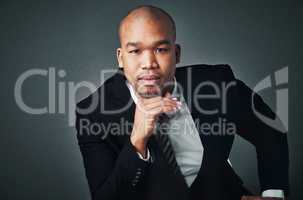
(135, 51)
(162, 50)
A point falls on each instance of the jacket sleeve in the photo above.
(111, 174)
(270, 143)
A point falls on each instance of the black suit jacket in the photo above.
(114, 170)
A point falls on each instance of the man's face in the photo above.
(148, 55)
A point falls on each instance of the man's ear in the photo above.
(178, 53)
(119, 57)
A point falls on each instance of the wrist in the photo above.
(139, 144)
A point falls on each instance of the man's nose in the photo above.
(149, 60)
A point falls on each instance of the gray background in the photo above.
(40, 158)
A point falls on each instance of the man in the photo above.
(185, 161)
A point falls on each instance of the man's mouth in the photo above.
(149, 79)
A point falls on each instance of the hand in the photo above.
(260, 198)
(146, 117)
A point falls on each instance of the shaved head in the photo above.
(148, 48)
(150, 14)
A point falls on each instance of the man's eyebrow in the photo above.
(134, 44)
(157, 43)
(161, 42)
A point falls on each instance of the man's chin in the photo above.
(149, 91)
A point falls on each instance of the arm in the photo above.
(271, 144)
(110, 173)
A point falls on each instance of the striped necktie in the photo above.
(165, 144)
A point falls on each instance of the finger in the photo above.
(169, 108)
(174, 100)
(164, 109)
(150, 100)
(143, 103)
(157, 98)
(155, 101)
(152, 113)
(161, 103)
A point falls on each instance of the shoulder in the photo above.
(204, 71)
(106, 89)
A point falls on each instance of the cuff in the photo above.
(147, 157)
(273, 193)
